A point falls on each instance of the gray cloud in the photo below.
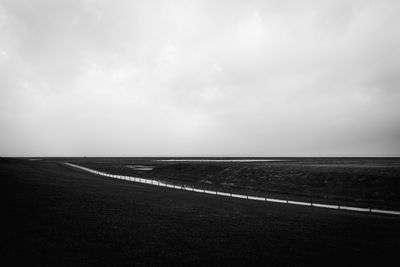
(256, 78)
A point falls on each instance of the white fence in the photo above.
(225, 194)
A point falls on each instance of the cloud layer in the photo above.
(207, 78)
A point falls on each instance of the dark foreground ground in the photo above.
(55, 215)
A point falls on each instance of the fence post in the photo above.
(369, 205)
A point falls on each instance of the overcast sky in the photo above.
(199, 78)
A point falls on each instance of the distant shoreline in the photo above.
(219, 160)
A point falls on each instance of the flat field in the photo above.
(55, 215)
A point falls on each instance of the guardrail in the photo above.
(226, 194)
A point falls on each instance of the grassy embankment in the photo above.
(373, 182)
(55, 215)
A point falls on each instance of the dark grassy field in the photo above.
(55, 215)
(365, 182)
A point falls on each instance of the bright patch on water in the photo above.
(140, 167)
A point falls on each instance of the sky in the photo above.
(199, 78)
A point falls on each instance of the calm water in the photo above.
(219, 160)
